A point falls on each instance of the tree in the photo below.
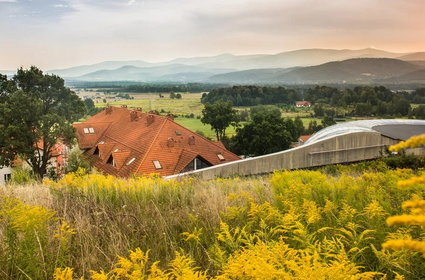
(328, 121)
(299, 126)
(36, 111)
(220, 116)
(265, 133)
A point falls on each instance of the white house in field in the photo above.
(5, 175)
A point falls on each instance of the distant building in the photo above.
(303, 139)
(122, 142)
(302, 104)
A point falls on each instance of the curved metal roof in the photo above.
(396, 129)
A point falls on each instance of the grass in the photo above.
(236, 228)
(189, 103)
(196, 125)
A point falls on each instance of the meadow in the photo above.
(320, 224)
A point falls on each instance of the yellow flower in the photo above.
(63, 274)
(418, 246)
(406, 220)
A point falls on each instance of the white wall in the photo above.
(3, 172)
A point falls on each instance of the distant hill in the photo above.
(7, 72)
(413, 56)
(106, 65)
(148, 74)
(305, 57)
(359, 70)
(412, 77)
(299, 66)
(249, 76)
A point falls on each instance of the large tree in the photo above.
(267, 132)
(220, 115)
(36, 111)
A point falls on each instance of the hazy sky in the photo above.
(62, 33)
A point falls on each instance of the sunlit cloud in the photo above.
(62, 33)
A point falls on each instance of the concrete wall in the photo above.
(3, 172)
(339, 149)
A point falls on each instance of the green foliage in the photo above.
(267, 132)
(220, 116)
(76, 161)
(252, 95)
(36, 110)
(32, 241)
(22, 175)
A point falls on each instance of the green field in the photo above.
(196, 125)
(189, 103)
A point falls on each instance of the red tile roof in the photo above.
(146, 138)
(302, 103)
(304, 138)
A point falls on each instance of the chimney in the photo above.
(133, 116)
(108, 110)
(170, 142)
(192, 140)
(170, 116)
(149, 120)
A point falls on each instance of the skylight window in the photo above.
(131, 161)
(178, 133)
(116, 150)
(220, 157)
(89, 130)
(157, 164)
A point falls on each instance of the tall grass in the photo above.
(299, 225)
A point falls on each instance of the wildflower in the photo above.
(406, 220)
(63, 274)
(418, 246)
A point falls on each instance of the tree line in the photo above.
(360, 101)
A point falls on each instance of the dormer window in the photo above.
(111, 161)
(96, 151)
(220, 157)
(157, 164)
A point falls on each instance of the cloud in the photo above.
(91, 30)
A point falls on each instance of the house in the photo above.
(123, 142)
(59, 155)
(302, 104)
(303, 139)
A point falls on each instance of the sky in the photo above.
(63, 33)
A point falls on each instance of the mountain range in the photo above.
(292, 67)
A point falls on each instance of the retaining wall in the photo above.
(339, 149)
